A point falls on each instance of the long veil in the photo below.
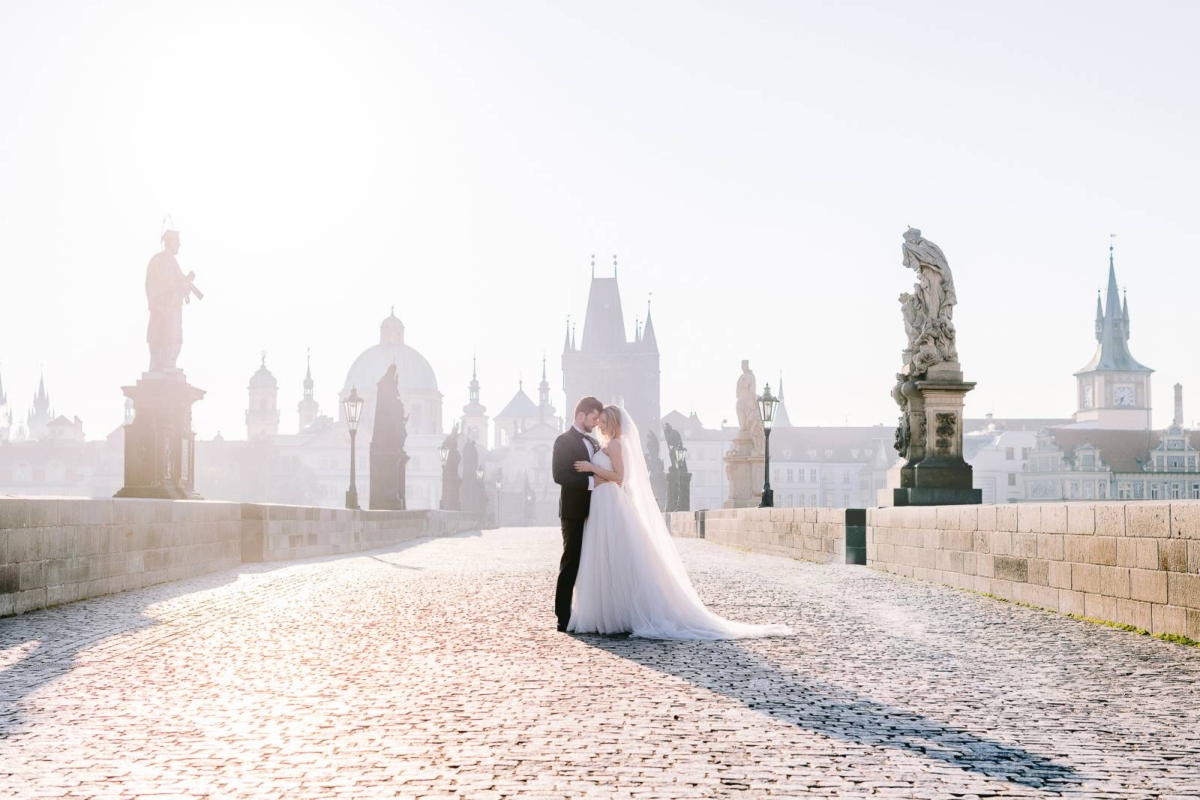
(668, 606)
(641, 496)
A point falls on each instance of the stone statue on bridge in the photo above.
(167, 289)
(749, 417)
(388, 458)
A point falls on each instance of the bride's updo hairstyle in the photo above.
(612, 422)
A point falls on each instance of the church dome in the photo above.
(263, 377)
(414, 372)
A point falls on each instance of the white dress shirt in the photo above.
(587, 442)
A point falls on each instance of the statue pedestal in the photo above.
(936, 474)
(387, 479)
(744, 470)
(160, 460)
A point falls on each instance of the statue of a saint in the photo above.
(749, 418)
(674, 446)
(167, 289)
(929, 310)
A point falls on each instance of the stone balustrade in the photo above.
(1134, 563)
(57, 550)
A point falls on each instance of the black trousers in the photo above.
(568, 568)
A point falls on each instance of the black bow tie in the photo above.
(595, 446)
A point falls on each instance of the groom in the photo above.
(575, 498)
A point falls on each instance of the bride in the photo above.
(631, 579)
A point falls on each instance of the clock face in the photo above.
(1123, 395)
(1087, 396)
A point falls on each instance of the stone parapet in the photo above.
(1135, 563)
(811, 534)
(57, 550)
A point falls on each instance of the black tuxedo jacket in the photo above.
(574, 499)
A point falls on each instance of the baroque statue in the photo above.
(390, 432)
(167, 289)
(674, 445)
(749, 419)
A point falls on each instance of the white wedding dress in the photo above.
(631, 578)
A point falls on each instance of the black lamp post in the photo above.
(499, 504)
(353, 407)
(766, 407)
(444, 452)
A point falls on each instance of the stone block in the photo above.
(13, 513)
(1110, 519)
(1183, 589)
(1193, 555)
(982, 541)
(985, 565)
(1193, 624)
(1054, 519)
(987, 518)
(1137, 553)
(1148, 585)
(949, 560)
(1024, 545)
(1001, 543)
(29, 600)
(1172, 555)
(1114, 581)
(1058, 574)
(1081, 519)
(1168, 619)
(1012, 569)
(1102, 550)
(1085, 578)
(957, 540)
(1185, 520)
(948, 517)
(1148, 519)
(1001, 588)
(1075, 548)
(1029, 518)
(968, 518)
(43, 513)
(1135, 613)
(928, 517)
(1006, 518)
(1039, 572)
(31, 575)
(1098, 606)
(1070, 602)
(1050, 546)
(25, 544)
(10, 579)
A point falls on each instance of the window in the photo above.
(1008, 454)
(1176, 491)
(775, 475)
(812, 476)
(1074, 495)
(1194, 492)
(1089, 461)
(789, 475)
(829, 454)
(1102, 490)
(1012, 479)
(845, 501)
(812, 499)
(1138, 490)
(1155, 490)
(845, 477)
(1088, 490)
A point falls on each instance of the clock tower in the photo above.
(1113, 388)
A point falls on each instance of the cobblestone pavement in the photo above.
(434, 669)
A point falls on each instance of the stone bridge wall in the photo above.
(812, 534)
(56, 550)
(1132, 563)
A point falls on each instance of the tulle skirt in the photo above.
(631, 580)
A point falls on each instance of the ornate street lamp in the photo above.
(767, 404)
(352, 405)
(444, 452)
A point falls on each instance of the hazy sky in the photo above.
(753, 166)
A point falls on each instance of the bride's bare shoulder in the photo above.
(614, 445)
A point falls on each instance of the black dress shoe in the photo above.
(562, 628)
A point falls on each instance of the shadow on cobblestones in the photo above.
(729, 669)
(45, 645)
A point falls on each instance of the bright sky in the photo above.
(752, 165)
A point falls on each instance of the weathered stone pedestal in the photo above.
(679, 489)
(160, 460)
(935, 473)
(744, 470)
(388, 469)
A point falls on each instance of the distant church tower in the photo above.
(546, 411)
(308, 407)
(475, 418)
(40, 415)
(1113, 388)
(262, 417)
(607, 365)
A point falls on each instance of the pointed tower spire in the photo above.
(593, 266)
(1125, 314)
(308, 379)
(567, 337)
(1099, 318)
(545, 410)
(614, 266)
(649, 340)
